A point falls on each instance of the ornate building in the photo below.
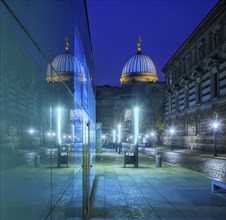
(196, 85)
(138, 88)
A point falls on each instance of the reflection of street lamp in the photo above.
(215, 126)
(136, 133)
(31, 131)
(119, 133)
(59, 125)
(103, 138)
(172, 132)
(136, 125)
(114, 135)
(153, 138)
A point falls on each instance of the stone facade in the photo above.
(196, 85)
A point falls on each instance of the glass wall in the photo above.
(47, 110)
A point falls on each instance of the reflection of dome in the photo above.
(139, 68)
(64, 67)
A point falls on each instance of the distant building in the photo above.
(196, 85)
(138, 88)
(20, 98)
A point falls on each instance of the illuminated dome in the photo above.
(138, 68)
(64, 67)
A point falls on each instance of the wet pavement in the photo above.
(203, 162)
(168, 192)
(150, 192)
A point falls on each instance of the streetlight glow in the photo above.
(172, 131)
(59, 125)
(119, 133)
(136, 134)
(136, 125)
(31, 131)
(215, 125)
(114, 135)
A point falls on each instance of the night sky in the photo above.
(163, 25)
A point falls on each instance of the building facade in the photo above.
(196, 86)
(115, 105)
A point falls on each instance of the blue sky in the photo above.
(163, 26)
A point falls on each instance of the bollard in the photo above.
(37, 160)
(158, 161)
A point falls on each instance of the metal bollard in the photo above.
(158, 161)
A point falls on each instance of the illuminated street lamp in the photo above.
(31, 131)
(136, 125)
(153, 138)
(215, 125)
(119, 138)
(73, 133)
(114, 135)
(103, 138)
(136, 133)
(59, 125)
(119, 133)
(172, 131)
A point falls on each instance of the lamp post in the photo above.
(114, 136)
(119, 138)
(172, 132)
(153, 138)
(215, 126)
(136, 133)
(59, 125)
(31, 132)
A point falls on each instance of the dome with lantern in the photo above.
(139, 68)
(64, 67)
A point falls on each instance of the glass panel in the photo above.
(47, 99)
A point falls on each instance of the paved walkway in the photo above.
(205, 162)
(150, 192)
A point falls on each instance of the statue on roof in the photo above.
(139, 40)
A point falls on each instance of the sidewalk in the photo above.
(147, 192)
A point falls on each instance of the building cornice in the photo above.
(207, 21)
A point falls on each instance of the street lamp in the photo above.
(172, 132)
(114, 135)
(136, 133)
(31, 131)
(119, 133)
(215, 126)
(103, 138)
(59, 125)
(136, 125)
(153, 138)
(119, 138)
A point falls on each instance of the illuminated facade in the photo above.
(47, 102)
(115, 105)
(196, 85)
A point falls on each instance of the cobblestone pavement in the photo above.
(199, 161)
